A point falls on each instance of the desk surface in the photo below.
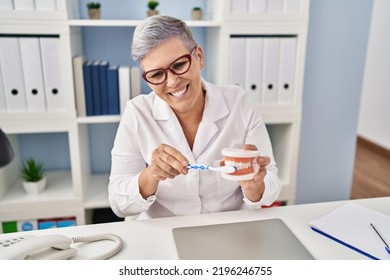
(153, 239)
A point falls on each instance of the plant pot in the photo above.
(152, 13)
(35, 187)
(94, 13)
(196, 14)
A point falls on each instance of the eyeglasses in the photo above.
(179, 67)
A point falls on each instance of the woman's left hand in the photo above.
(254, 189)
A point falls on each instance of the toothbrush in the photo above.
(223, 169)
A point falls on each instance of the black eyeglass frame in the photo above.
(189, 56)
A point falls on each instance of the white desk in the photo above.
(152, 239)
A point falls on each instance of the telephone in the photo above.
(52, 247)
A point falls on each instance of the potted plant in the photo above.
(33, 174)
(94, 10)
(196, 13)
(152, 5)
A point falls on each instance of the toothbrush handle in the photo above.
(198, 166)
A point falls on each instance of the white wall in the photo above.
(374, 116)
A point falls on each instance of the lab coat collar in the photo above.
(215, 106)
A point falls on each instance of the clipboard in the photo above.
(349, 225)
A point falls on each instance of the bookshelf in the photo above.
(76, 190)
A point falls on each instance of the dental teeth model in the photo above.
(243, 161)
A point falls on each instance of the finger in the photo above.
(166, 167)
(249, 147)
(162, 170)
(259, 176)
(175, 155)
(175, 159)
(263, 161)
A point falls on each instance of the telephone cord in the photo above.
(105, 236)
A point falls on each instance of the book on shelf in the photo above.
(124, 86)
(112, 85)
(78, 76)
(135, 74)
(103, 68)
(3, 104)
(6, 5)
(87, 74)
(45, 5)
(96, 91)
(12, 71)
(24, 5)
(113, 90)
(32, 73)
(55, 96)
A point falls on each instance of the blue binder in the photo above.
(103, 67)
(87, 74)
(113, 90)
(97, 103)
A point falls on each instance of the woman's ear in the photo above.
(199, 56)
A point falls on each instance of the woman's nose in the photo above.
(172, 79)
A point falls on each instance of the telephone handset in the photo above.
(51, 247)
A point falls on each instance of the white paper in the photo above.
(350, 224)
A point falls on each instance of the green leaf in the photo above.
(32, 170)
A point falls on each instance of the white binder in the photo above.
(257, 6)
(274, 6)
(24, 5)
(271, 70)
(33, 74)
(254, 67)
(45, 5)
(237, 61)
(6, 5)
(79, 90)
(293, 6)
(3, 104)
(238, 6)
(124, 86)
(287, 70)
(135, 75)
(50, 51)
(12, 74)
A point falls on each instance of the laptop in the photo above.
(255, 240)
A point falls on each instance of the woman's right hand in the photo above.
(166, 163)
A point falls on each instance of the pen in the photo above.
(380, 236)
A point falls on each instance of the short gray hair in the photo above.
(156, 29)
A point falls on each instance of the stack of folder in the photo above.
(264, 66)
(30, 74)
(265, 6)
(103, 89)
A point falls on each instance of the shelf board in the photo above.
(96, 195)
(133, 23)
(99, 119)
(279, 114)
(58, 193)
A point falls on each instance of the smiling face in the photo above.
(183, 93)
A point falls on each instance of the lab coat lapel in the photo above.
(171, 127)
(215, 109)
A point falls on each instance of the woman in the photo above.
(184, 120)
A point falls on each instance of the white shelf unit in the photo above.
(77, 191)
(282, 120)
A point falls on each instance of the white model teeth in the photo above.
(179, 93)
(238, 165)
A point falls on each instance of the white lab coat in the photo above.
(230, 119)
